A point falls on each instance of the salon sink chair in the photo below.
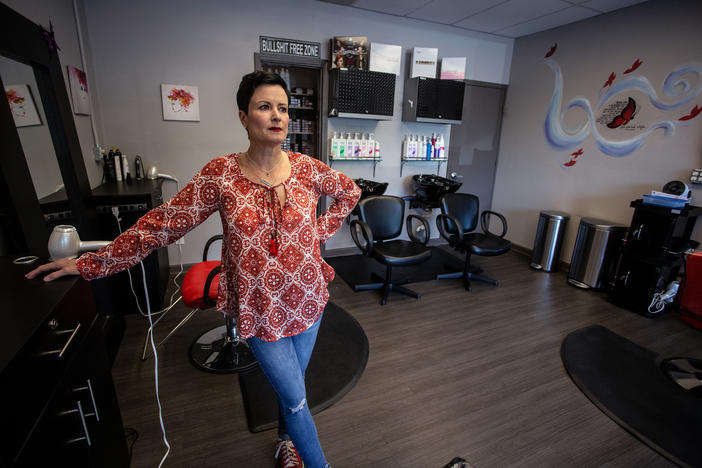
(218, 350)
(376, 232)
(429, 189)
(457, 223)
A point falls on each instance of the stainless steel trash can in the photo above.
(595, 253)
(549, 237)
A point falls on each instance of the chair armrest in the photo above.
(209, 242)
(367, 249)
(442, 220)
(206, 290)
(484, 222)
(410, 232)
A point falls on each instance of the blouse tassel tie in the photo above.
(274, 208)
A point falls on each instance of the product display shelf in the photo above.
(438, 162)
(374, 160)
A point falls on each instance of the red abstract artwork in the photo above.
(626, 115)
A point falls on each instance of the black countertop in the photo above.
(28, 303)
(123, 189)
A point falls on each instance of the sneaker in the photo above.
(286, 455)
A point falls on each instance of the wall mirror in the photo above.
(33, 165)
(28, 113)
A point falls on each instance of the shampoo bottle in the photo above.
(371, 146)
(363, 145)
(376, 152)
(341, 143)
(118, 164)
(442, 152)
(356, 146)
(125, 169)
(349, 146)
(334, 151)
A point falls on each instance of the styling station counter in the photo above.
(58, 402)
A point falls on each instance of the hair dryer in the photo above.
(154, 174)
(65, 243)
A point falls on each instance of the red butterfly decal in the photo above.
(577, 153)
(569, 163)
(551, 51)
(610, 80)
(633, 67)
(693, 113)
(626, 115)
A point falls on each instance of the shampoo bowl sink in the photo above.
(370, 187)
(429, 189)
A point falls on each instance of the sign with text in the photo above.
(276, 45)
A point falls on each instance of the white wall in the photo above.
(136, 46)
(664, 35)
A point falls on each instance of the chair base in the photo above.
(387, 287)
(217, 353)
(468, 277)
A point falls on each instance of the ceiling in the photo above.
(508, 18)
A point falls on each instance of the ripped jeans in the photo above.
(284, 363)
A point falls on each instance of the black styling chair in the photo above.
(381, 220)
(458, 218)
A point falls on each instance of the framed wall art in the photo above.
(24, 111)
(180, 102)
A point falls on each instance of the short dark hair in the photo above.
(251, 81)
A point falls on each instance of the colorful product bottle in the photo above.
(349, 146)
(334, 151)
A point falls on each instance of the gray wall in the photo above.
(136, 46)
(664, 35)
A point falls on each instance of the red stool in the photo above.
(218, 350)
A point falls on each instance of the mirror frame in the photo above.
(23, 41)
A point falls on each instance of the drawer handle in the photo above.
(89, 387)
(86, 438)
(637, 232)
(61, 351)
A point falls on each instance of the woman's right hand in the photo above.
(59, 268)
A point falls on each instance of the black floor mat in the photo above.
(626, 382)
(358, 269)
(338, 360)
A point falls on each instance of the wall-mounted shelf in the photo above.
(373, 160)
(438, 162)
(352, 115)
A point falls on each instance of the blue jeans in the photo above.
(284, 363)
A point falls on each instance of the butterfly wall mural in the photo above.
(613, 121)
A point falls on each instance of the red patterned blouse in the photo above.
(273, 279)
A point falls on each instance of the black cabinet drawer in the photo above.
(81, 425)
(637, 281)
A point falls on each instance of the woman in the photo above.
(273, 279)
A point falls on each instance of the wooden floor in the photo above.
(476, 375)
